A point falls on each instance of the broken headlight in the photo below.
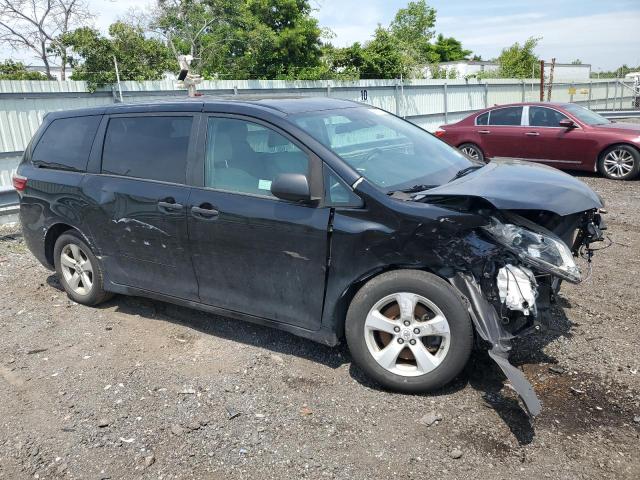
(544, 251)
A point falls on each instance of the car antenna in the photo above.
(185, 79)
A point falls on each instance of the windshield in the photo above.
(585, 115)
(386, 150)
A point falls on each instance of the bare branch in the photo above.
(35, 25)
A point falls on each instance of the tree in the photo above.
(577, 61)
(449, 49)
(384, 57)
(36, 25)
(413, 28)
(10, 70)
(519, 61)
(139, 58)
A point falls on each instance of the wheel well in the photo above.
(340, 310)
(625, 144)
(52, 235)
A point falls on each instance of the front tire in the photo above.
(473, 151)
(619, 162)
(78, 269)
(409, 331)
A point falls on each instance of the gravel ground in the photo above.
(143, 389)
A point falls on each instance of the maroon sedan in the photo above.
(564, 135)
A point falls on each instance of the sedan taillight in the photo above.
(439, 132)
(19, 182)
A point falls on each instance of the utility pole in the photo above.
(115, 62)
(542, 80)
(553, 66)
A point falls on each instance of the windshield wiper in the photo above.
(464, 171)
(413, 189)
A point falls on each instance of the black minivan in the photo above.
(322, 217)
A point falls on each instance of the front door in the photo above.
(138, 202)
(546, 141)
(252, 252)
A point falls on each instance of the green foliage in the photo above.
(10, 70)
(139, 58)
(449, 49)
(243, 39)
(519, 61)
(577, 61)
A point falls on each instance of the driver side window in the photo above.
(245, 157)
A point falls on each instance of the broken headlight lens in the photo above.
(546, 252)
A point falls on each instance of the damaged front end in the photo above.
(510, 291)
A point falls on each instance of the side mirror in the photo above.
(568, 124)
(291, 186)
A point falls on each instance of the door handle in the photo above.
(205, 211)
(484, 132)
(532, 134)
(170, 205)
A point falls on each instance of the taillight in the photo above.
(19, 182)
(439, 132)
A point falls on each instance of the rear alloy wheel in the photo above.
(620, 162)
(472, 151)
(78, 269)
(409, 331)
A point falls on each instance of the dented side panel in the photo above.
(142, 244)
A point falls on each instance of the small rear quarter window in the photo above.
(482, 119)
(66, 143)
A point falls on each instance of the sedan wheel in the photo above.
(472, 151)
(620, 163)
(407, 334)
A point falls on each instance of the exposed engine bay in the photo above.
(511, 289)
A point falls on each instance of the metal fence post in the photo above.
(590, 88)
(606, 98)
(328, 89)
(486, 94)
(523, 92)
(397, 96)
(615, 94)
(621, 94)
(446, 113)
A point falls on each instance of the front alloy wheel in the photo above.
(407, 334)
(620, 162)
(409, 331)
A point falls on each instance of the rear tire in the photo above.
(409, 331)
(619, 162)
(78, 269)
(472, 151)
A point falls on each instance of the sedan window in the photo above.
(506, 116)
(544, 117)
(245, 157)
(585, 115)
(483, 119)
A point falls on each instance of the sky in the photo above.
(604, 33)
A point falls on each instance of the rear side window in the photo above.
(483, 119)
(506, 116)
(66, 143)
(153, 148)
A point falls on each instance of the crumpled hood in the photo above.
(517, 185)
